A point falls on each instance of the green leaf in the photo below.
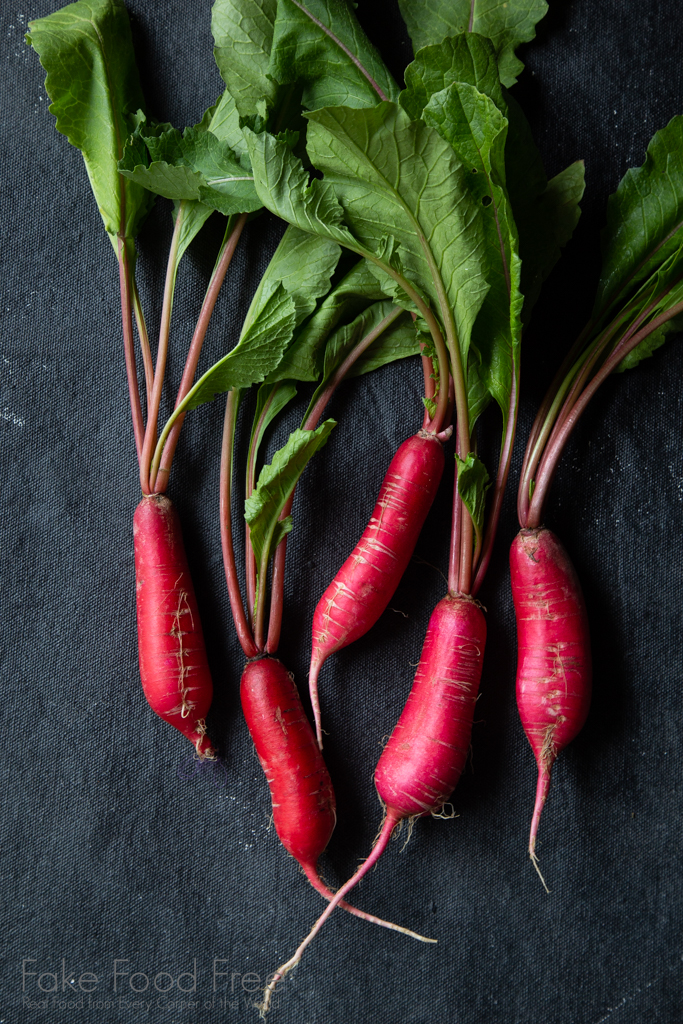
(258, 351)
(473, 482)
(398, 341)
(225, 125)
(505, 24)
(321, 44)
(92, 80)
(467, 58)
(194, 216)
(275, 485)
(283, 185)
(399, 180)
(354, 293)
(659, 294)
(270, 401)
(649, 345)
(476, 129)
(303, 264)
(644, 219)
(546, 212)
(195, 165)
(243, 35)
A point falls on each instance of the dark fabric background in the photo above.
(113, 846)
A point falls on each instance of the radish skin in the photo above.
(426, 753)
(173, 666)
(363, 587)
(554, 669)
(304, 811)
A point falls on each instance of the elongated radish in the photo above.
(173, 666)
(554, 659)
(424, 758)
(304, 810)
(363, 587)
(425, 755)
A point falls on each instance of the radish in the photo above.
(554, 658)
(173, 666)
(363, 587)
(425, 755)
(96, 98)
(639, 300)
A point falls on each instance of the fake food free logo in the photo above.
(123, 985)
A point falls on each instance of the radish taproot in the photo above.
(366, 582)
(173, 666)
(554, 669)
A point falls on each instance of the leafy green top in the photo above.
(92, 80)
(505, 24)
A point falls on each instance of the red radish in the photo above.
(366, 582)
(173, 666)
(425, 755)
(304, 812)
(554, 659)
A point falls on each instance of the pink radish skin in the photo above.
(173, 665)
(304, 812)
(426, 753)
(363, 587)
(554, 669)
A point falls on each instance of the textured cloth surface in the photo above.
(120, 860)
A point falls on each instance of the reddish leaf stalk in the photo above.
(559, 438)
(236, 606)
(159, 477)
(162, 352)
(482, 563)
(128, 346)
(144, 342)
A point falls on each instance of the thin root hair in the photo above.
(441, 813)
(534, 861)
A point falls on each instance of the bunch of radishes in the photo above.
(446, 238)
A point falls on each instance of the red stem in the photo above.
(456, 532)
(128, 346)
(162, 352)
(499, 494)
(427, 370)
(559, 437)
(241, 625)
(160, 481)
(538, 424)
(250, 560)
(144, 342)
